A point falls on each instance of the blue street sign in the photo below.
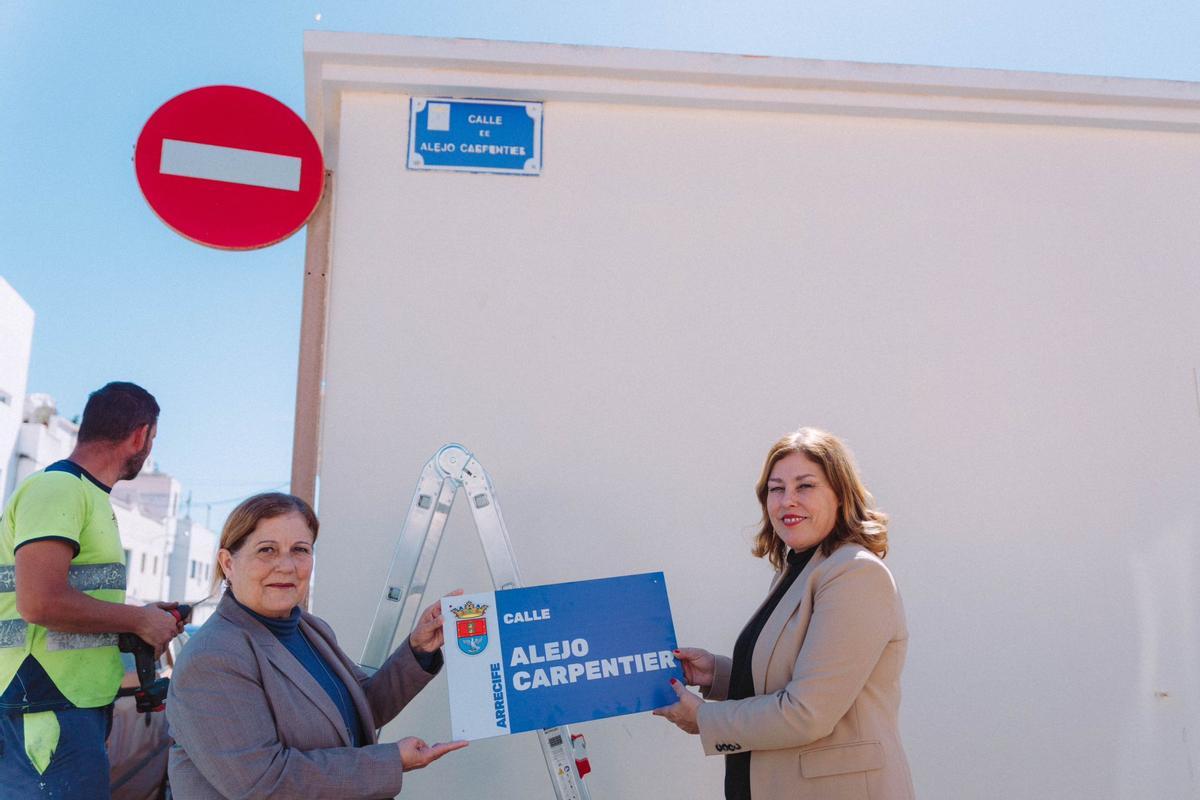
(540, 656)
(475, 135)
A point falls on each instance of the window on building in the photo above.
(128, 556)
(142, 569)
(193, 574)
(156, 565)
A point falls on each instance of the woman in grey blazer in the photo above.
(263, 703)
(808, 706)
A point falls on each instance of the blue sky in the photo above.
(215, 334)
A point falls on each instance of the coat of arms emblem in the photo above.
(471, 627)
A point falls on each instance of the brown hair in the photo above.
(245, 518)
(857, 519)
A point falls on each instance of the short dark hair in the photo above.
(116, 410)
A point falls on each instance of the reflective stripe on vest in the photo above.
(12, 632)
(82, 578)
(57, 640)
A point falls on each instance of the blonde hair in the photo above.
(245, 518)
(857, 519)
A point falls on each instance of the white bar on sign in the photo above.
(230, 164)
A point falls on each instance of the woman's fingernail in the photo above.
(673, 681)
(676, 652)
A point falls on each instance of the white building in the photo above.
(985, 281)
(148, 544)
(193, 559)
(44, 438)
(16, 339)
(170, 557)
(156, 493)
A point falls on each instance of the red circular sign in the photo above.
(229, 167)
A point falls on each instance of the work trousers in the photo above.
(57, 755)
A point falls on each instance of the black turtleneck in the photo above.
(741, 678)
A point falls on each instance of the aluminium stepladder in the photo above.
(450, 468)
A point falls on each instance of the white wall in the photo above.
(192, 566)
(147, 545)
(999, 316)
(155, 493)
(41, 444)
(16, 341)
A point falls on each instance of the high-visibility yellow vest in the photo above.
(66, 503)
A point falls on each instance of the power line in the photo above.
(239, 498)
(208, 504)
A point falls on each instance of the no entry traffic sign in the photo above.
(229, 167)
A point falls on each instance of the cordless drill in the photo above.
(151, 691)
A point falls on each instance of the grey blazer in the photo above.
(824, 724)
(248, 721)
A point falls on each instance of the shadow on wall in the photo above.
(1161, 746)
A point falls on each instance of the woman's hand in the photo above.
(414, 753)
(685, 712)
(427, 636)
(698, 666)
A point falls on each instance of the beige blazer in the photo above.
(249, 721)
(824, 724)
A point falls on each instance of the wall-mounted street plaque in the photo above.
(475, 135)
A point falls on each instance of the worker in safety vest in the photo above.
(62, 603)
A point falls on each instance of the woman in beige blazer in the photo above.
(808, 706)
(264, 704)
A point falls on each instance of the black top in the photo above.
(741, 679)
